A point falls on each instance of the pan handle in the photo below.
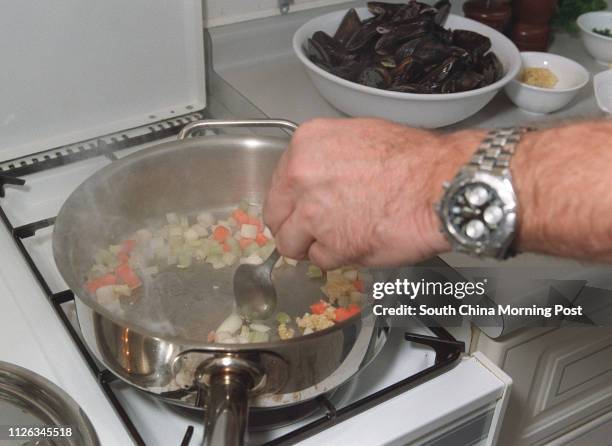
(229, 381)
(213, 123)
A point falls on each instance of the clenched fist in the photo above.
(361, 192)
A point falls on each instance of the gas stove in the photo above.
(420, 389)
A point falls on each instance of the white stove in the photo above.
(460, 402)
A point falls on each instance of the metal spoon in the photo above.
(253, 288)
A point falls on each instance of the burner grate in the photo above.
(447, 349)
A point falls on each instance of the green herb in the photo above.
(603, 32)
(569, 10)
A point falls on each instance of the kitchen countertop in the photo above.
(257, 59)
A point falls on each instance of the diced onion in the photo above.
(205, 219)
(231, 324)
(290, 262)
(253, 259)
(248, 231)
(260, 328)
(350, 274)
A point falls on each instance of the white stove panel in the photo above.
(32, 336)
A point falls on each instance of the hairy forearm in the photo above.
(563, 178)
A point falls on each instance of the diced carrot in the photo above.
(261, 239)
(123, 257)
(358, 284)
(240, 216)
(128, 276)
(221, 233)
(226, 247)
(244, 242)
(342, 314)
(94, 284)
(128, 246)
(318, 307)
(256, 222)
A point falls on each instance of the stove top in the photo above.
(405, 390)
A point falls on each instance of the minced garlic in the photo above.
(538, 77)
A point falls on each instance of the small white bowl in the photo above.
(418, 110)
(602, 82)
(572, 77)
(598, 46)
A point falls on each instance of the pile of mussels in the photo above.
(405, 48)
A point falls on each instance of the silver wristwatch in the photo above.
(478, 210)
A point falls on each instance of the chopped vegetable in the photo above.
(290, 262)
(261, 239)
(260, 328)
(319, 307)
(93, 285)
(240, 216)
(314, 272)
(603, 32)
(221, 233)
(128, 276)
(283, 318)
(231, 324)
(245, 242)
(358, 284)
(345, 313)
(248, 231)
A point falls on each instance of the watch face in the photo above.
(475, 211)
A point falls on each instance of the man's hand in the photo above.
(361, 192)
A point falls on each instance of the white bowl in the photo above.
(572, 77)
(598, 46)
(602, 82)
(419, 110)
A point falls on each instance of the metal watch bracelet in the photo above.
(495, 151)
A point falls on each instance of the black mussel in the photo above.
(407, 88)
(443, 9)
(462, 81)
(432, 52)
(383, 9)
(442, 34)
(350, 24)
(434, 79)
(317, 53)
(366, 34)
(387, 62)
(405, 47)
(376, 77)
(406, 13)
(491, 68)
(475, 43)
(348, 71)
(392, 38)
(326, 48)
(408, 49)
(407, 71)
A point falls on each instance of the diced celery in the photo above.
(244, 205)
(257, 336)
(229, 258)
(214, 248)
(213, 259)
(251, 249)
(282, 317)
(114, 249)
(314, 272)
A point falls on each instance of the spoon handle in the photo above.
(271, 261)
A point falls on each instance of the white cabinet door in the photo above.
(562, 380)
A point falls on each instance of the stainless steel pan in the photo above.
(158, 343)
